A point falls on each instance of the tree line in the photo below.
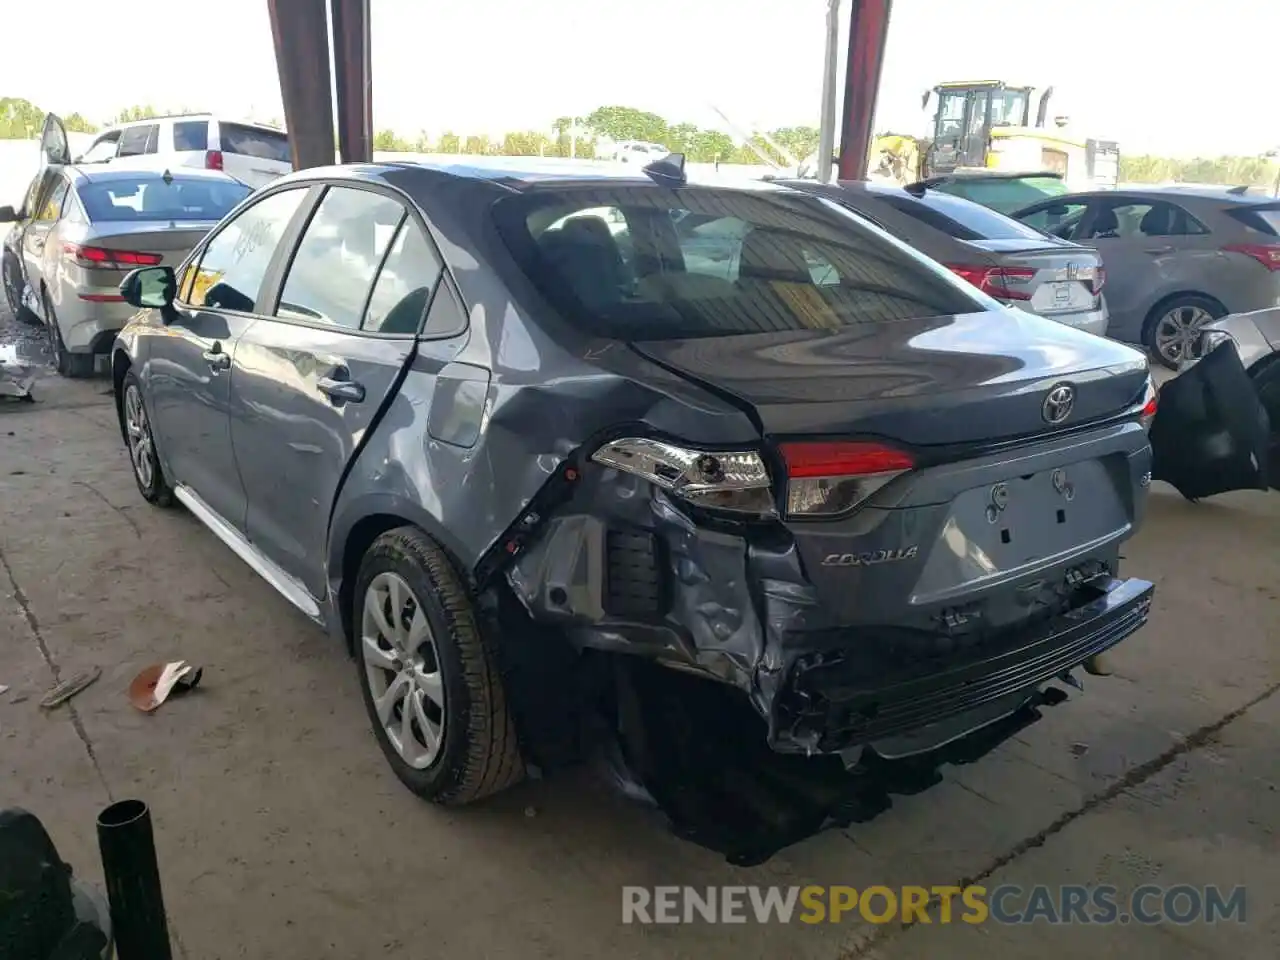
(588, 135)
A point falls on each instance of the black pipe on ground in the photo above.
(133, 882)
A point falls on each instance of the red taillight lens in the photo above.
(213, 160)
(100, 258)
(1150, 402)
(1099, 279)
(999, 282)
(829, 478)
(1267, 254)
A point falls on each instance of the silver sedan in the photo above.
(81, 229)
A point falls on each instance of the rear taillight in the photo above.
(1003, 283)
(731, 480)
(833, 477)
(213, 160)
(1150, 402)
(1099, 279)
(1267, 254)
(100, 258)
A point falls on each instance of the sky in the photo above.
(1173, 77)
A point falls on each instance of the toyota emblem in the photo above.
(1057, 405)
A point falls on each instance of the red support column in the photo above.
(352, 74)
(300, 30)
(868, 31)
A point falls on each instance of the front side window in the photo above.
(333, 269)
(133, 140)
(711, 262)
(1059, 219)
(1128, 220)
(150, 196)
(231, 269)
(950, 114)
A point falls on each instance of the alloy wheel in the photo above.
(138, 431)
(402, 668)
(1177, 331)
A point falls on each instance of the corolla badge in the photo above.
(870, 558)
(1058, 403)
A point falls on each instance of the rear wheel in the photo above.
(1267, 382)
(13, 285)
(429, 677)
(1173, 327)
(73, 365)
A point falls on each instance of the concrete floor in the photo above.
(281, 833)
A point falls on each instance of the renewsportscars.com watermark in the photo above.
(1181, 904)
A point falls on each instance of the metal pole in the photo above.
(827, 124)
(868, 31)
(133, 882)
(300, 30)
(353, 82)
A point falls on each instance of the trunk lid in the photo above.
(965, 379)
(1056, 276)
(172, 239)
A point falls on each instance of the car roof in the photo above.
(1219, 196)
(518, 174)
(194, 116)
(989, 175)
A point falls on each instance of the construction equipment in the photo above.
(987, 125)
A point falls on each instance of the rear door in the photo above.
(311, 382)
(36, 252)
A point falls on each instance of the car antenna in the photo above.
(1239, 191)
(917, 189)
(667, 172)
(167, 177)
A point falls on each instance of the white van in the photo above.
(250, 152)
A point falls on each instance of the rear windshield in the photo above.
(1265, 220)
(645, 263)
(959, 218)
(254, 142)
(1005, 194)
(151, 197)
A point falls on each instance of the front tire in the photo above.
(13, 284)
(141, 444)
(429, 676)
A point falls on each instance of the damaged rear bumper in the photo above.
(824, 706)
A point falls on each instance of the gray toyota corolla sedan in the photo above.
(491, 422)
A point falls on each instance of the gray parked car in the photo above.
(80, 229)
(1177, 258)
(466, 417)
(1012, 262)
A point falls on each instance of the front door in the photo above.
(53, 142)
(187, 377)
(973, 145)
(311, 382)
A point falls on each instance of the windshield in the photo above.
(151, 197)
(960, 218)
(637, 263)
(1005, 194)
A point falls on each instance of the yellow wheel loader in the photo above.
(987, 125)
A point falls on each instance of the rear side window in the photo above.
(404, 284)
(254, 142)
(191, 135)
(640, 263)
(1264, 220)
(959, 218)
(334, 266)
(233, 265)
(133, 140)
(1005, 194)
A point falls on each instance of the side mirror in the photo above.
(8, 215)
(153, 287)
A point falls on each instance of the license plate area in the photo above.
(1020, 523)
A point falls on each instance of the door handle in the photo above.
(216, 357)
(341, 391)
